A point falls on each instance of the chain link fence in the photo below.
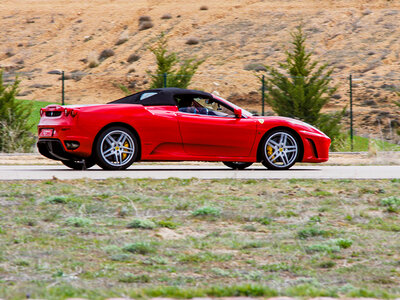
(370, 100)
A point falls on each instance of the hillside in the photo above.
(235, 37)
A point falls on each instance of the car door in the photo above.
(213, 135)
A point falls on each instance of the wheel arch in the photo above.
(291, 130)
(119, 124)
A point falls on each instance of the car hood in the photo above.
(300, 125)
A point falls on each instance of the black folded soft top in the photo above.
(158, 97)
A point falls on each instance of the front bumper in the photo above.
(316, 147)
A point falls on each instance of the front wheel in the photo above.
(237, 165)
(280, 150)
(79, 165)
(116, 148)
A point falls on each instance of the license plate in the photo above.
(46, 132)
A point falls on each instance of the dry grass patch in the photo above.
(124, 37)
(92, 60)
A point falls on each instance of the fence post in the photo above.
(351, 111)
(62, 88)
(165, 79)
(262, 94)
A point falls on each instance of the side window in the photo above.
(147, 95)
(216, 108)
(203, 106)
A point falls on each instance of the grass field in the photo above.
(187, 238)
(35, 116)
(366, 144)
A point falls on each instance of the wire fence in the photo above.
(370, 100)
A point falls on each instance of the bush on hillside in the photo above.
(15, 135)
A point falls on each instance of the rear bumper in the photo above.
(54, 149)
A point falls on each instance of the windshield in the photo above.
(244, 112)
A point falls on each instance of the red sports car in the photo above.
(171, 124)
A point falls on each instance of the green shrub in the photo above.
(327, 264)
(15, 128)
(78, 221)
(330, 246)
(342, 243)
(264, 220)
(57, 199)
(142, 223)
(130, 278)
(315, 219)
(140, 248)
(277, 267)
(248, 290)
(168, 224)
(392, 203)
(120, 257)
(207, 211)
(311, 232)
(310, 290)
(348, 218)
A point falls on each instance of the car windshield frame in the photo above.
(244, 112)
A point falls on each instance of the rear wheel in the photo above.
(79, 164)
(280, 150)
(237, 165)
(116, 148)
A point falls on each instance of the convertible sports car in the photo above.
(171, 124)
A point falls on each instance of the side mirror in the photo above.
(238, 113)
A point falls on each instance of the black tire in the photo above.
(116, 148)
(79, 165)
(280, 150)
(237, 165)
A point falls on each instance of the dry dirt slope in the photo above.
(354, 36)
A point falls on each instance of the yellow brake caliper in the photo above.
(269, 152)
(124, 155)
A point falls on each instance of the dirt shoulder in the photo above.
(336, 158)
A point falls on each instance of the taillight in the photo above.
(69, 111)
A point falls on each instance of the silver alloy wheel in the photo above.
(117, 148)
(281, 149)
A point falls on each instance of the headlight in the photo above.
(301, 123)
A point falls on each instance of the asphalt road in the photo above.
(203, 171)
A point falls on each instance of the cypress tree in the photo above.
(178, 74)
(303, 88)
